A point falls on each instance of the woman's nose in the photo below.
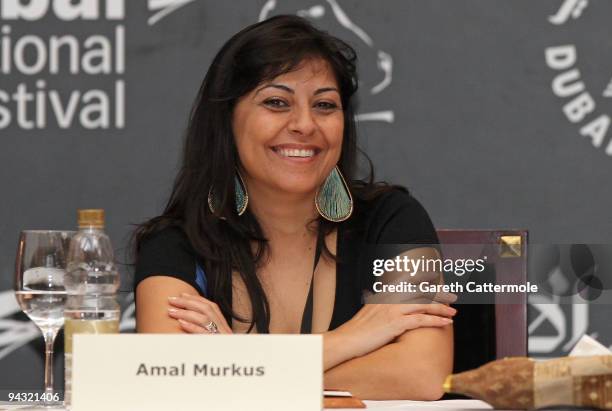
(302, 121)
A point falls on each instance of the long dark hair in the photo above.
(256, 54)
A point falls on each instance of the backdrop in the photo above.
(493, 112)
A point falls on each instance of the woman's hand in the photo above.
(376, 325)
(194, 312)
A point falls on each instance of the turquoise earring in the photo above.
(240, 192)
(333, 199)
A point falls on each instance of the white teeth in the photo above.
(295, 152)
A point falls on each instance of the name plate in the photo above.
(197, 372)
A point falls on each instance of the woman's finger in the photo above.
(198, 312)
(413, 321)
(204, 306)
(195, 303)
(191, 328)
(189, 316)
(434, 309)
(190, 304)
(416, 297)
(440, 309)
(196, 298)
(197, 321)
(445, 298)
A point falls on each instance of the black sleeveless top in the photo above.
(395, 217)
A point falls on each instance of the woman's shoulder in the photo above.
(167, 247)
(388, 202)
(164, 237)
(166, 251)
(394, 215)
(394, 199)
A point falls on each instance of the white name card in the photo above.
(172, 372)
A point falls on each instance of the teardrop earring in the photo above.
(240, 192)
(333, 199)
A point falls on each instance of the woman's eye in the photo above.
(325, 105)
(275, 103)
(280, 104)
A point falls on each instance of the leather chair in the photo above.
(497, 328)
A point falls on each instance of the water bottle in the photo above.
(91, 283)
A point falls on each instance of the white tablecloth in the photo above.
(450, 405)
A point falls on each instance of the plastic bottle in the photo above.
(91, 283)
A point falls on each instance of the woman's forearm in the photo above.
(336, 349)
(412, 368)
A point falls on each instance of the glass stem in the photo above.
(49, 337)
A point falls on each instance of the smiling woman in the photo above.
(304, 100)
(267, 222)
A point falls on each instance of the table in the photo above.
(457, 405)
(450, 405)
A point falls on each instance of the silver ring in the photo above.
(212, 328)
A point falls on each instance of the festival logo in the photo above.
(30, 61)
(36, 58)
(163, 8)
(15, 332)
(581, 106)
(574, 279)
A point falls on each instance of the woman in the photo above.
(266, 221)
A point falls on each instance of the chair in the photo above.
(498, 329)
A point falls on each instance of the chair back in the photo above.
(498, 329)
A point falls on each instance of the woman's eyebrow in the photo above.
(325, 89)
(290, 90)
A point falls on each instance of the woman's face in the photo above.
(288, 131)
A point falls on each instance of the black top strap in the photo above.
(306, 327)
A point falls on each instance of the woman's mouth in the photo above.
(295, 153)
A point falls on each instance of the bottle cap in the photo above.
(448, 384)
(91, 218)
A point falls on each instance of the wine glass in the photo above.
(40, 267)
